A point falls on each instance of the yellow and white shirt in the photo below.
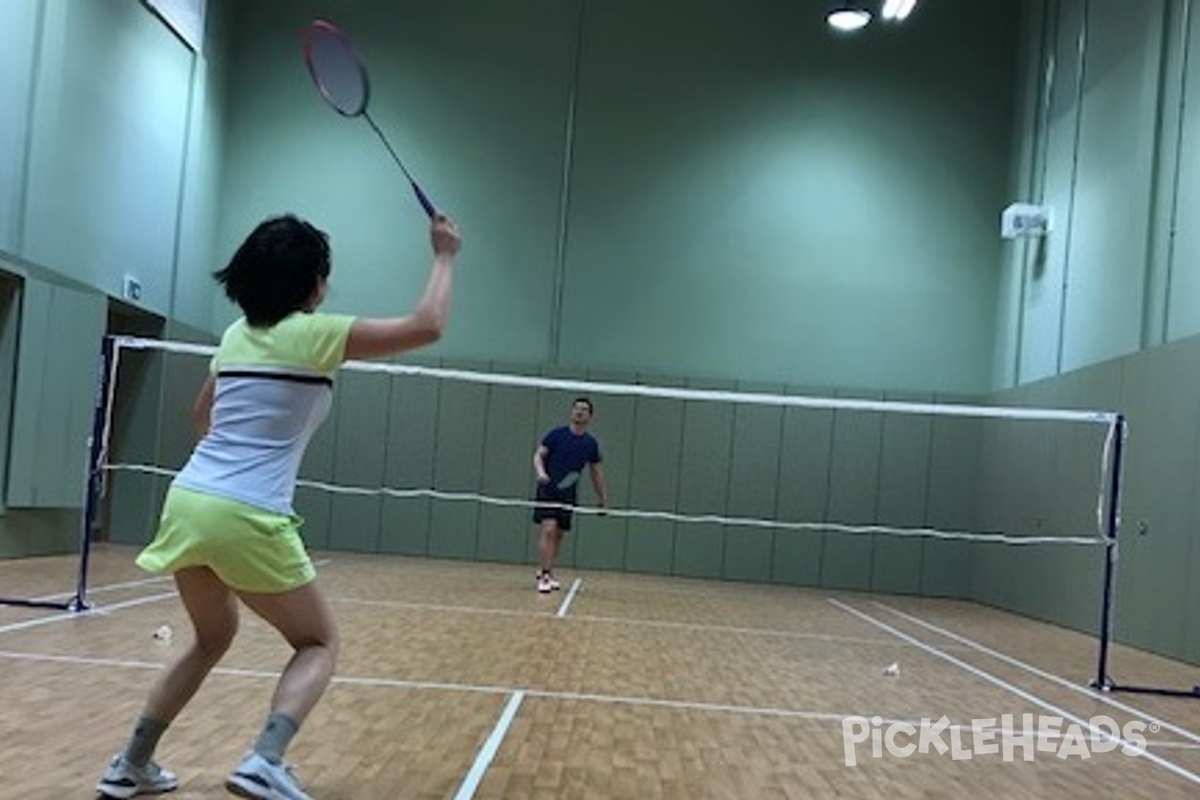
(274, 387)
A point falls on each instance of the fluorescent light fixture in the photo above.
(848, 18)
(897, 10)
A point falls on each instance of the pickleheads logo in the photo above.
(994, 737)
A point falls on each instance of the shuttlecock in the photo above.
(892, 670)
(163, 633)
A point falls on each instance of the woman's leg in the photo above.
(213, 611)
(303, 618)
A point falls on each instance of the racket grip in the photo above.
(423, 198)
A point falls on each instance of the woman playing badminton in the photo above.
(227, 529)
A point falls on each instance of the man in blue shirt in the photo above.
(558, 463)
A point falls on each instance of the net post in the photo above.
(1112, 525)
(94, 475)
(1104, 681)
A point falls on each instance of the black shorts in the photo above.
(562, 516)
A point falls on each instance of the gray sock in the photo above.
(275, 737)
(146, 733)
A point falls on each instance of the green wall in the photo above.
(1103, 312)
(110, 142)
(474, 96)
(745, 186)
(112, 149)
(1057, 474)
(1105, 114)
(702, 190)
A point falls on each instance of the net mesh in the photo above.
(437, 461)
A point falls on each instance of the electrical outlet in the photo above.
(131, 289)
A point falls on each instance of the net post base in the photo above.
(1193, 692)
(60, 605)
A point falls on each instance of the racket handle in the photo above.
(423, 198)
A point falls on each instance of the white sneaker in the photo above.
(259, 779)
(554, 584)
(123, 780)
(545, 583)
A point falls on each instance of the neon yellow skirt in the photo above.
(249, 549)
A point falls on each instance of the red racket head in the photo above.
(336, 69)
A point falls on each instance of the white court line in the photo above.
(678, 705)
(1173, 745)
(631, 621)
(91, 612)
(1048, 676)
(112, 587)
(103, 610)
(488, 751)
(1170, 766)
(503, 612)
(395, 683)
(699, 626)
(566, 603)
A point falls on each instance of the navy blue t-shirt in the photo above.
(566, 455)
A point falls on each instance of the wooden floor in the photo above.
(619, 686)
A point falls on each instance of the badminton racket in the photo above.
(341, 78)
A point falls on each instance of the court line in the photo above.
(633, 621)
(699, 626)
(566, 603)
(113, 587)
(395, 683)
(1043, 674)
(91, 612)
(1170, 766)
(502, 612)
(1168, 745)
(488, 751)
(100, 611)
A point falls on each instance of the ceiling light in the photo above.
(897, 10)
(848, 18)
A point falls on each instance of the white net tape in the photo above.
(639, 390)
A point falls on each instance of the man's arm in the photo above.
(597, 473)
(539, 464)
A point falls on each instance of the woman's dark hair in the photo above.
(276, 270)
